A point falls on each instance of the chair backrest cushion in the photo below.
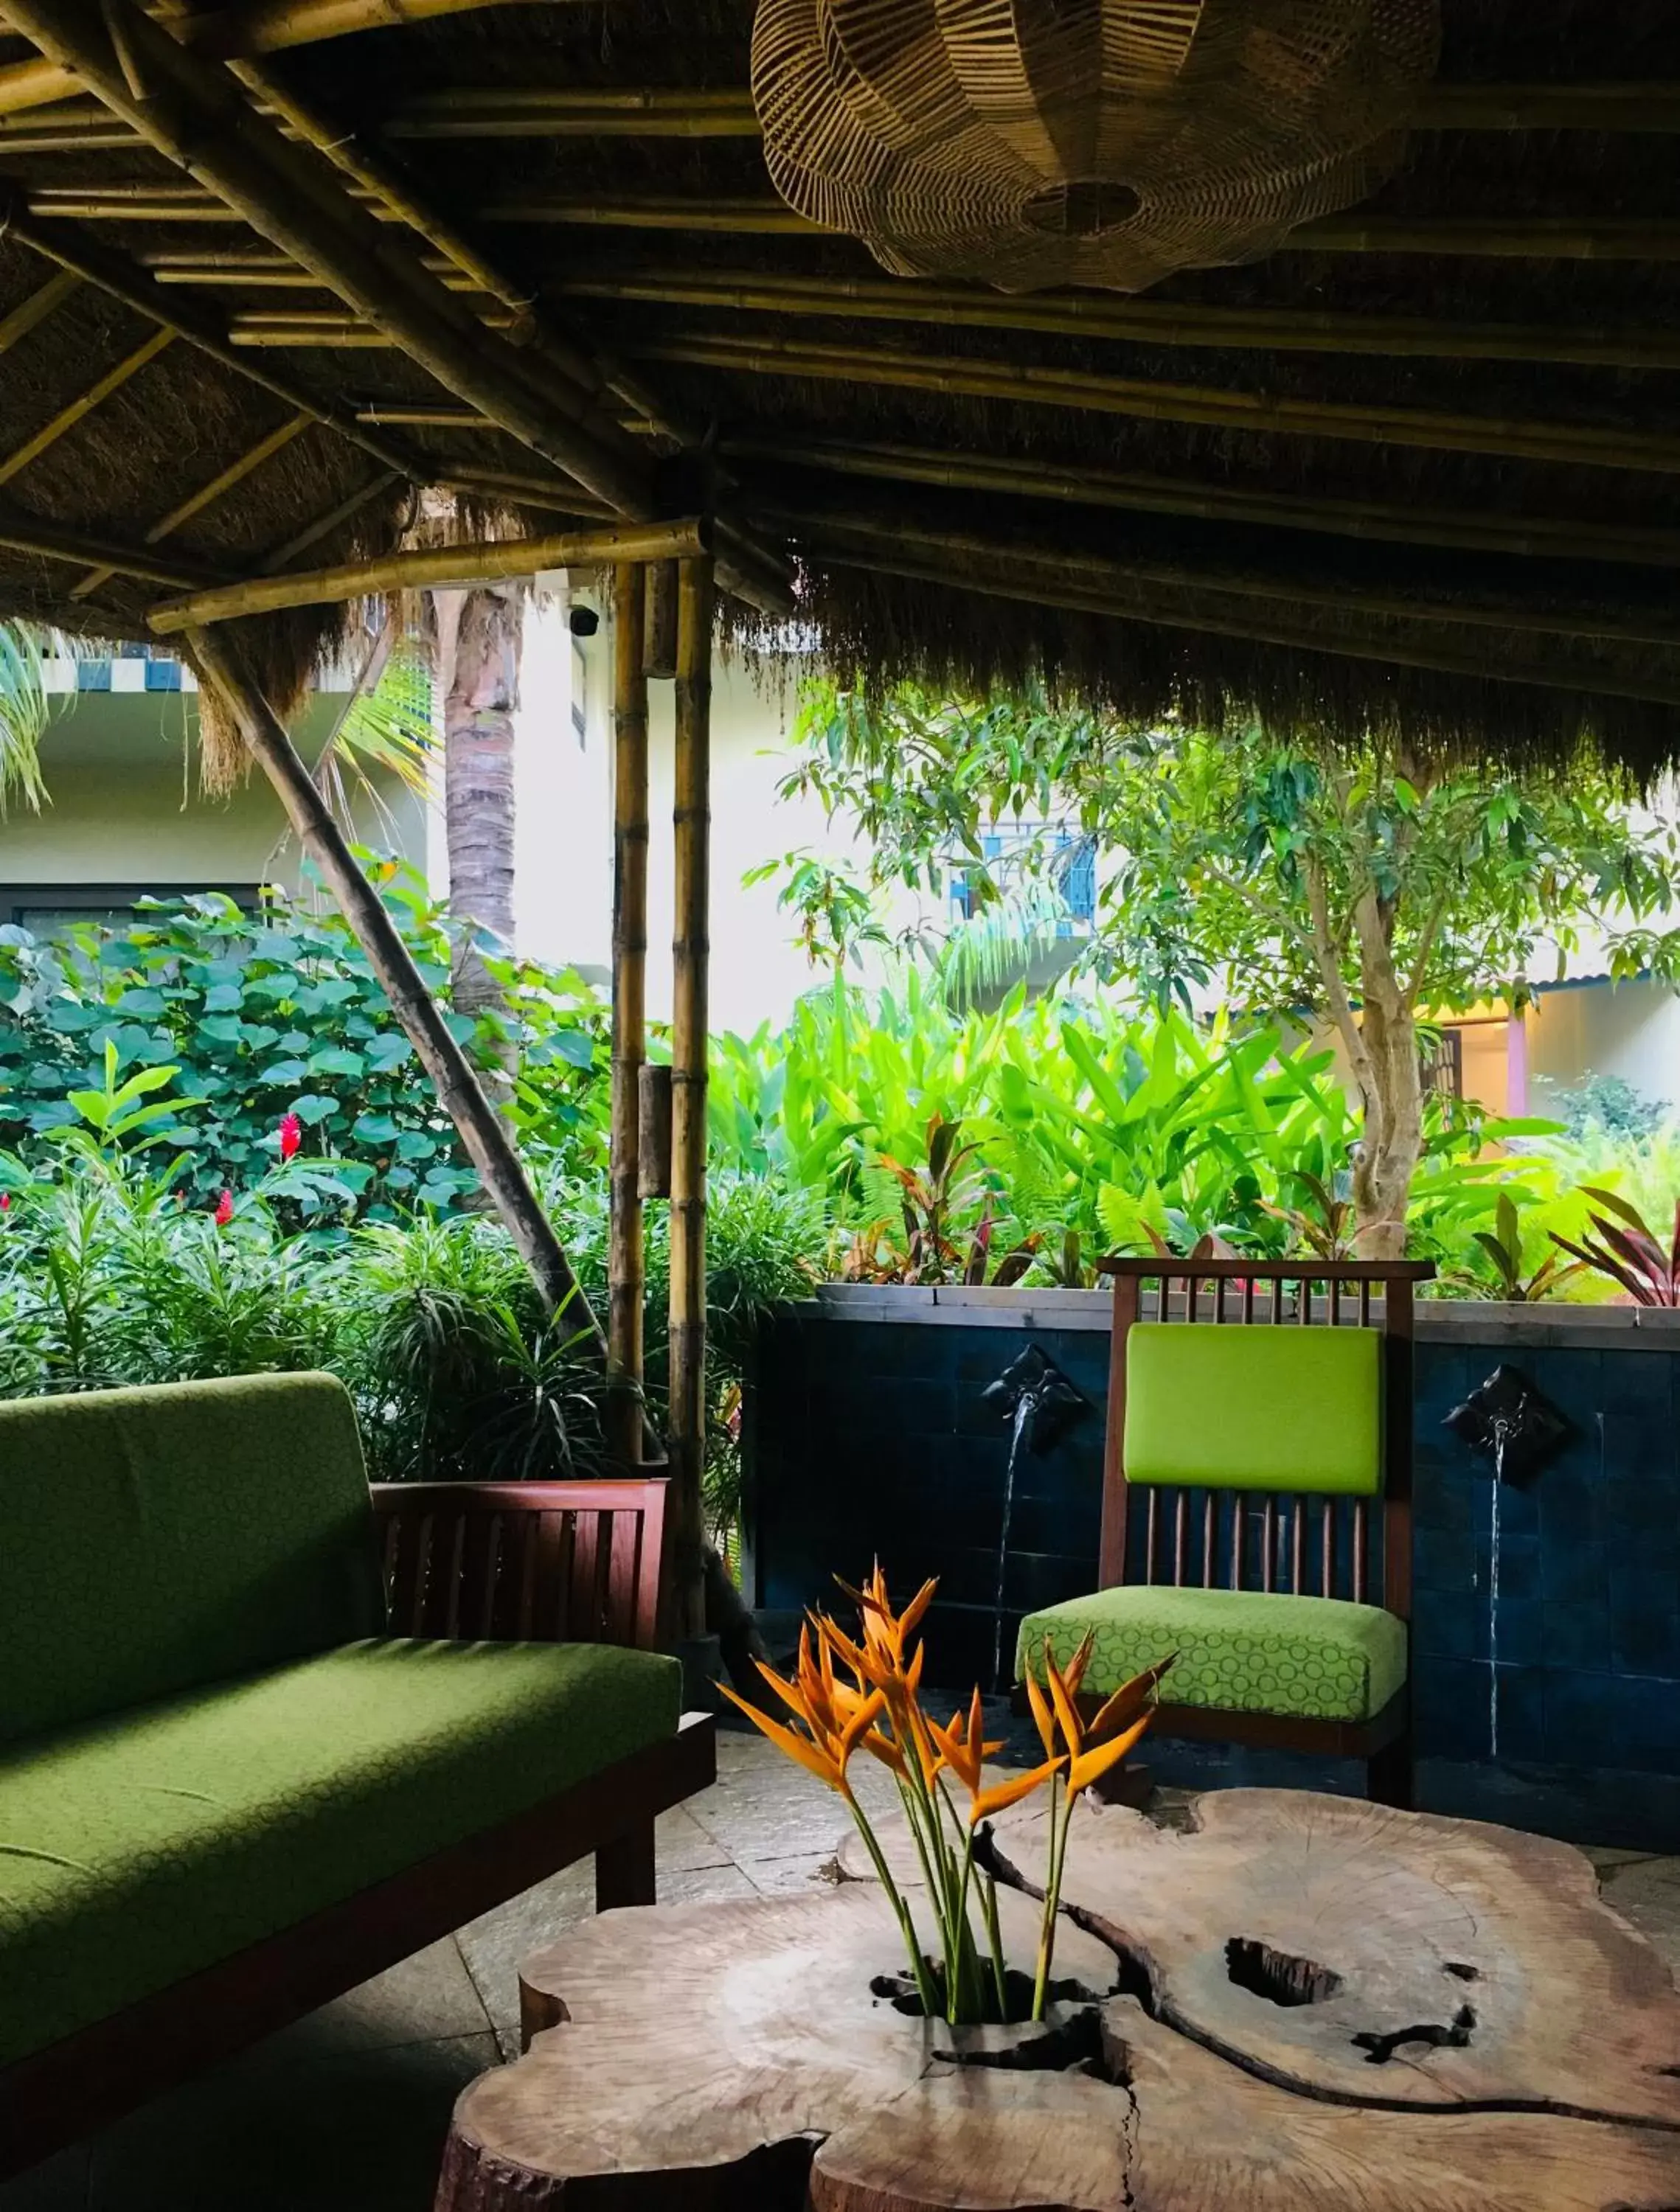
(1254, 1407)
(153, 1540)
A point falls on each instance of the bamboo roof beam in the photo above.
(207, 495)
(1467, 529)
(1544, 238)
(1392, 602)
(257, 27)
(431, 566)
(199, 324)
(23, 533)
(313, 533)
(1137, 321)
(469, 111)
(1654, 107)
(83, 404)
(30, 313)
(194, 114)
(1047, 583)
(1567, 444)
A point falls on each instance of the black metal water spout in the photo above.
(1040, 1404)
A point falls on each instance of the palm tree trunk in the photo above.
(479, 637)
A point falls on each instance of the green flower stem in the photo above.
(1052, 1899)
(995, 1937)
(920, 1972)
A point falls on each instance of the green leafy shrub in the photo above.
(272, 1015)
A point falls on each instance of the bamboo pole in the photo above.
(1024, 384)
(511, 484)
(484, 1135)
(564, 111)
(1143, 322)
(196, 116)
(430, 568)
(1526, 535)
(1111, 572)
(30, 313)
(258, 27)
(200, 326)
(206, 496)
(658, 625)
(25, 534)
(313, 533)
(626, 1285)
(689, 953)
(1652, 107)
(1043, 582)
(83, 404)
(1539, 237)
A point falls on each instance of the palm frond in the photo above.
(26, 708)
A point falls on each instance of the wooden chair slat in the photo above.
(408, 1598)
(1208, 1540)
(585, 1608)
(1327, 1541)
(1267, 1539)
(1180, 1532)
(1297, 1542)
(626, 1530)
(1149, 1536)
(1359, 1550)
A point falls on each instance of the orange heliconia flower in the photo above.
(1094, 1746)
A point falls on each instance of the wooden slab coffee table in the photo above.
(1302, 2004)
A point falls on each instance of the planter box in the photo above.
(866, 1431)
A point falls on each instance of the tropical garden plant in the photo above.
(1357, 886)
(847, 1696)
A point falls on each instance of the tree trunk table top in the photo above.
(1300, 2004)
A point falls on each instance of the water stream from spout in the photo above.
(1026, 1406)
(1493, 1600)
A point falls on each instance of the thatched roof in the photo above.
(1420, 470)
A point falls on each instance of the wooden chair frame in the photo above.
(1258, 1289)
(549, 1562)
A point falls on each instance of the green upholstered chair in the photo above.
(1257, 1507)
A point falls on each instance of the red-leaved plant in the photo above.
(1622, 1244)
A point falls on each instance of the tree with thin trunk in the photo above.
(478, 637)
(1359, 885)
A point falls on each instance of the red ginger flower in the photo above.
(225, 1209)
(291, 1136)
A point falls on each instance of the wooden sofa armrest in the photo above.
(506, 1562)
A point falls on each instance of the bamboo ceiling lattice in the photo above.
(1032, 142)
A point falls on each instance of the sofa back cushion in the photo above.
(153, 1540)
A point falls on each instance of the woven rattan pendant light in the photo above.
(1034, 143)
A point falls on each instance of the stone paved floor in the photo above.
(346, 2112)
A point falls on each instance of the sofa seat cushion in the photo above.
(136, 1850)
(1306, 1658)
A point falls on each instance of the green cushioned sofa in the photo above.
(228, 1790)
(1257, 1507)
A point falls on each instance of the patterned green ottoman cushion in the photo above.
(136, 1850)
(1307, 1657)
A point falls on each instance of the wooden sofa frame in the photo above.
(1251, 1293)
(572, 1562)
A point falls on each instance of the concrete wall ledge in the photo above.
(1439, 1321)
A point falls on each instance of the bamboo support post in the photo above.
(1139, 322)
(689, 953)
(1047, 583)
(653, 1142)
(1020, 384)
(1411, 525)
(626, 1286)
(196, 116)
(484, 1135)
(430, 568)
(658, 632)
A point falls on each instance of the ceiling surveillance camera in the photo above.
(584, 621)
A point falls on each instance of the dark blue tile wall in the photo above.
(868, 1438)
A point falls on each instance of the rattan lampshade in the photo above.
(1036, 142)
